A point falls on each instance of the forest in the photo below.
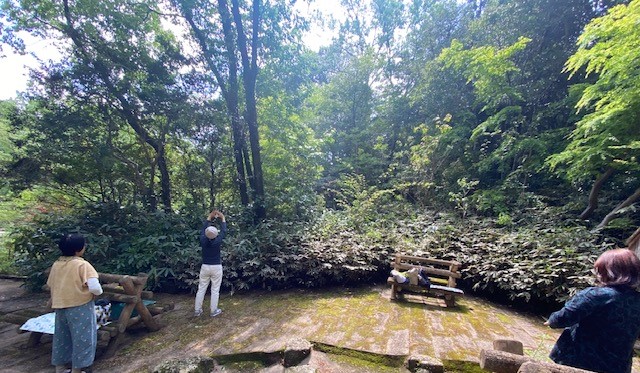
(504, 134)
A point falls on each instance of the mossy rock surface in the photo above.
(362, 319)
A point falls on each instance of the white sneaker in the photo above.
(197, 314)
(216, 312)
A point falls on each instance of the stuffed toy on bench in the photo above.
(414, 276)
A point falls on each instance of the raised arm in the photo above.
(577, 308)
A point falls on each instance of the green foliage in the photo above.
(490, 201)
(353, 123)
(427, 158)
(284, 255)
(607, 135)
(541, 257)
(511, 195)
(7, 147)
(504, 220)
(488, 69)
(461, 197)
(342, 112)
(291, 160)
(537, 256)
(119, 240)
(7, 257)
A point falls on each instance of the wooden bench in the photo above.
(442, 274)
(117, 288)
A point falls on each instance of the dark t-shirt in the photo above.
(211, 248)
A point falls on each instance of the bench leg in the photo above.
(112, 347)
(34, 339)
(394, 292)
(450, 300)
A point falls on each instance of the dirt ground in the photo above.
(361, 318)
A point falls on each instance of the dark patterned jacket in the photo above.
(602, 324)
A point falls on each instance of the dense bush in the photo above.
(540, 258)
(284, 255)
(535, 260)
(120, 240)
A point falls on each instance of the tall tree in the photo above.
(121, 55)
(222, 63)
(607, 138)
(423, 90)
(230, 39)
(249, 53)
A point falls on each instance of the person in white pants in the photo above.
(211, 268)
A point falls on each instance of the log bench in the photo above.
(442, 274)
(117, 288)
(507, 356)
(505, 362)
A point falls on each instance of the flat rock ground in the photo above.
(354, 318)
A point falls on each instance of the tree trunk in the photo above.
(165, 183)
(250, 75)
(149, 195)
(247, 162)
(627, 202)
(228, 88)
(212, 187)
(233, 100)
(595, 191)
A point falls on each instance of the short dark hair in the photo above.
(70, 244)
(618, 267)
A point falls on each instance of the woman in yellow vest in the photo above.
(73, 282)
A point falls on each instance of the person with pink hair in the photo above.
(602, 322)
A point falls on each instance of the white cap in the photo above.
(211, 232)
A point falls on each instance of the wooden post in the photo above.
(145, 294)
(449, 300)
(132, 287)
(531, 367)
(34, 339)
(119, 288)
(509, 345)
(452, 280)
(394, 287)
(504, 362)
(145, 315)
(108, 278)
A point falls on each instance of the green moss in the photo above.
(359, 363)
(356, 313)
(486, 323)
(504, 318)
(461, 366)
(360, 319)
(245, 366)
(376, 359)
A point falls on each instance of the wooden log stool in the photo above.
(128, 290)
(505, 362)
